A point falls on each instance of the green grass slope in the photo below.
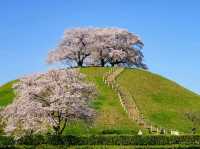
(111, 118)
(7, 93)
(110, 114)
(163, 103)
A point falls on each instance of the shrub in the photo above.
(111, 140)
(103, 140)
(111, 131)
(4, 140)
(31, 140)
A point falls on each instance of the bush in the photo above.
(111, 131)
(103, 140)
(31, 140)
(5, 140)
(111, 140)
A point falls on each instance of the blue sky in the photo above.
(170, 30)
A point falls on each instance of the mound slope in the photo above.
(163, 103)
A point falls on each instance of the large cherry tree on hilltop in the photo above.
(75, 46)
(48, 101)
(117, 46)
(99, 47)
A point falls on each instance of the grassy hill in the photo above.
(163, 103)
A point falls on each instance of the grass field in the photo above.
(163, 103)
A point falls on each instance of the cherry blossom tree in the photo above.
(129, 58)
(75, 46)
(101, 46)
(118, 47)
(116, 57)
(47, 101)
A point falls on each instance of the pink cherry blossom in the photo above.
(47, 101)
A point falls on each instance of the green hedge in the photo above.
(4, 140)
(47, 146)
(103, 140)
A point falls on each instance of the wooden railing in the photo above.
(128, 101)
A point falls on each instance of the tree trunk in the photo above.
(80, 63)
(112, 64)
(102, 63)
(63, 127)
(56, 129)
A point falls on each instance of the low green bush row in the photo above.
(47, 146)
(102, 140)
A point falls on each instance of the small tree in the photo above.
(47, 102)
(194, 117)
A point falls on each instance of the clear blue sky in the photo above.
(170, 30)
